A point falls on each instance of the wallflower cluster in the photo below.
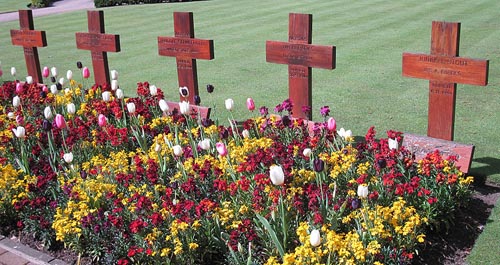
(129, 181)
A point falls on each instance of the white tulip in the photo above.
(153, 90)
(184, 107)
(245, 133)
(315, 238)
(114, 74)
(47, 112)
(204, 144)
(53, 89)
(53, 71)
(19, 132)
(344, 134)
(163, 105)
(69, 75)
(119, 93)
(393, 144)
(114, 85)
(363, 191)
(61, 81)
(71, 108)
(307, 152)
(106, 96)
(13, 71)
(131, 107)
(157, 148)
(16, 101)
(177, 150)
(29, 79)
(229, 104)
(277, 175)
(11, 115)
(68, 157)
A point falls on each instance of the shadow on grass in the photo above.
(492, 167)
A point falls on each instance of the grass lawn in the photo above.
(12, 5)
(365, 90)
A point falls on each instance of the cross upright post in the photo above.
(186, 49)
(29, 39)
(300, 55)
(444, 69)
(99, 44)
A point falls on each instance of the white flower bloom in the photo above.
(153, 90)
(114, 85)
(114, 75)
(53, 89)
(344, 134)
(16, 101)
(163, 105)
(157, 148)
(315, 238)
(245, 133)
(47, 112)
(69, 75)
(307, 152)
(71, 108)
(19, 132)
(61, 81)
(363, 191)
(119, 93)
(229, 104)
(177, 150)
(131, 107)
(11, 115)
(53, 71)
(106, 96)
(393, 144)
(277, 175)
(13, 71)
(204, 144)
(68, 157)
(184, 107)
(29, 79)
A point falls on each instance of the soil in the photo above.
(451, 247)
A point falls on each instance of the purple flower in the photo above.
(319, 165)
(263, 111)
(306, 110)
(210, 88)
(325, 111)
(287, 105)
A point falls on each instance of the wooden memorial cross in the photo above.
(444, 69)
(99, 44)
(30, 39)
(300, 55)
(186, 49)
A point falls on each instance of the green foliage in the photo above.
(103, 3)
(40, 3)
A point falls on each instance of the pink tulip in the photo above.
(45, 72)
(19, 88)
(331, 124)
(1, 72)
(45, 89)
(102, 120)
(250, 104)
(86, 72)
(60, 122)
(221, 148)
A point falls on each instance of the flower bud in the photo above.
(71, 108)
(307, 152)
(177, 150)
(79, 65)
(197, 100)
(221, 148)
(184, 91)
(19, 88)
(61, 81)
(277, 175)
(250, 104)
(69, 75)
(68, 157)
(163, 105)
(119, 94)
(315, 238)
(131, 108)
(53, 71)
(184, 107)
(363, 191)
(229, 104)
(13, 71)
(16, 101)
(46, 125)
(106, 96)
(86, 72)
(53, 89)
(60, 121)
(114, 75)
(204, 144)
(29, 79)
(153, 90)
(102, 120)
(318, 165)
(47, 112)
(157, 147)
(45, 72)
(114, 85)
(210, 88)
(393, 144)
(245, 133)
(331, 124)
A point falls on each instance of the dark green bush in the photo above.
(102, 3)
(40, 3)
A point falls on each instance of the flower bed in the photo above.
(129, 181)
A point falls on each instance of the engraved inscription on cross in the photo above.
(444, 69)
(99, 44)
(300, 55)
(186, 49)
(30, 39)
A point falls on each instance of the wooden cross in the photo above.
(99, 44)
(30, 39)
(300, 56)
(444, 69)
(186, 49)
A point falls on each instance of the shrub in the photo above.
(40, 3)
(102, 3)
